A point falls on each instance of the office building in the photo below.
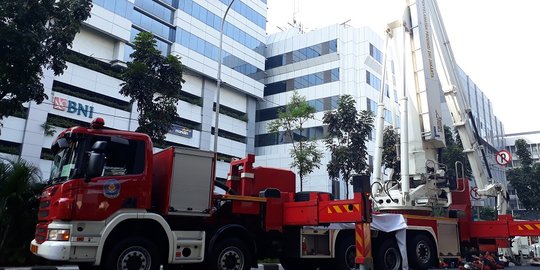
(320, 65)
(90, 85)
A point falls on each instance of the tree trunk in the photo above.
(4, 236)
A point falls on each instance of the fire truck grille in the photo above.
(41, 232)
(44, 204)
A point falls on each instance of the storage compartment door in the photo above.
(192, 182)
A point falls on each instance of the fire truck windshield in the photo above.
(63, 167)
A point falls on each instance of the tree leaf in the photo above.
(154, 82)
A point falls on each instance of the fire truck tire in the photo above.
(230, 254)
(421, 252)
(387, 255)
(133, 253)
(345, 253)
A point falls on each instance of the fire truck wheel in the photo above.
(134, 253)
(421, 252)
(387, 255)
(230, 254)
(345, 253)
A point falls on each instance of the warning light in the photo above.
(97, 123)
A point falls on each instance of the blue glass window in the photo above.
(247, 12)
(214, 21)
(321, 104)
(207, 49)
(371, 106)
(162, 46)
(302, 54)
(376, 54)
(312, 133)
(120, 7)
(156, 9)
(172, 3)
(387, 116)
(373, 80)
(149, 24)
(310, 80)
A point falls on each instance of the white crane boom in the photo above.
(430, 51)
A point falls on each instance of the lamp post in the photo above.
(216, 129)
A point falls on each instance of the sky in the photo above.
(496, 42)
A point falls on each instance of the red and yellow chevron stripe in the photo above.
(522, 228)
(339, 209)
(529, 227)
(363, 242)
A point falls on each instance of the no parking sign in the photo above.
(503, 157)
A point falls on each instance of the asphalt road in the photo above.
(528, 267)
(261, 267)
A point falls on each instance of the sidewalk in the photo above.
(265, 266)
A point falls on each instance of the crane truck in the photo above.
(425, 183)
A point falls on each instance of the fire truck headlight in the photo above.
(58, 235)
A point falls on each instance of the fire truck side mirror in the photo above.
(96, 160)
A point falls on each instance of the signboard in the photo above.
(181, 131)
(503, 157)
(63, 104)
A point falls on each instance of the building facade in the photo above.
(490, 129)
(320, 65)
(190, 29)
(326, 63)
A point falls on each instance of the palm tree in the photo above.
(20, 186)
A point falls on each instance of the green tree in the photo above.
(20, 187)
(305, 153)
(453, 152)
(34, 35)
(488, 213)
(348, 132)
(522, 151)
(154, 82)
(525, 179)
(390, 153)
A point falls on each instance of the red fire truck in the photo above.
(113, 203)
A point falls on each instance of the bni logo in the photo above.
(69, 106)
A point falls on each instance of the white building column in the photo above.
(34, 134)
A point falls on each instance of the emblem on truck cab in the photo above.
(111, 188)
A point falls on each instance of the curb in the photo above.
(269, 266)
(42, 268)
(264, 266)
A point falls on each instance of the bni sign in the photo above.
(63, 104)
(181, 131)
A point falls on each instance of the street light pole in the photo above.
(216, 129)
